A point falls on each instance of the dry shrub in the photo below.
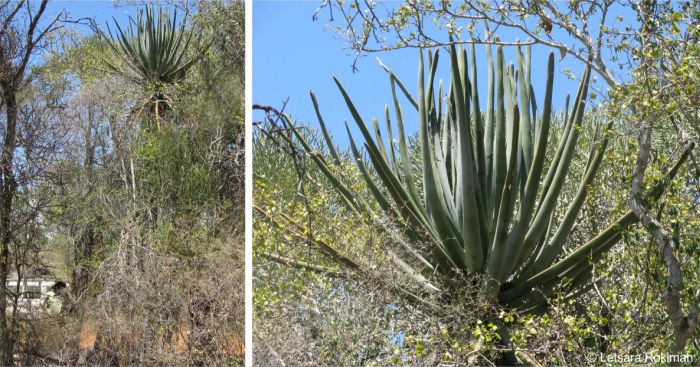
(168, 310)
(364, 320)
(48, 340)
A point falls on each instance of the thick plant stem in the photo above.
(507, 357)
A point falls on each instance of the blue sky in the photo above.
(102, 11)
(293, 54)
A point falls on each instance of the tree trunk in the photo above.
(6, 196)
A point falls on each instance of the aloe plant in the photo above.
(490, 199)
(153, 52)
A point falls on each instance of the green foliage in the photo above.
(174, 169)
(223, 22)
(77, 63)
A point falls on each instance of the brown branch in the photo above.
(495, 15)
(322, 245)
(683, 326)
(304, 265)
(8, 20)
(31, 41)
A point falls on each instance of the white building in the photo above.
(36, 296)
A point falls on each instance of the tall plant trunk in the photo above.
(158, 107)
(88, 236)
(157, 114)
(8, 190)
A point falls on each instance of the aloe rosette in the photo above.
(153, 54)
(153, 49)
(489, 201)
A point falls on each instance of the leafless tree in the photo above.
(21, 37)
